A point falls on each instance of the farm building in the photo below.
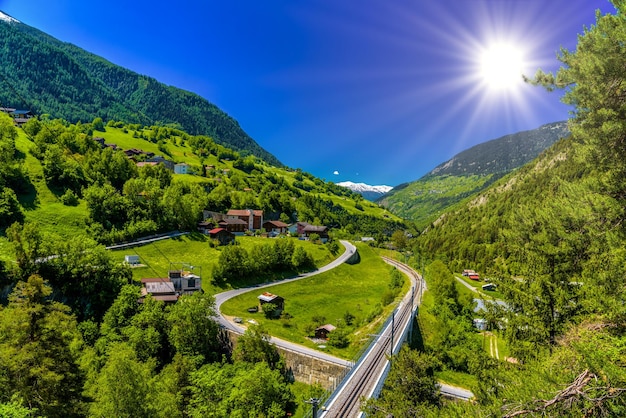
(324, 330)
(267, 297)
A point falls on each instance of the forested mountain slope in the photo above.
(551, 238)
(57, 175)
(47, 76)
(469, 172)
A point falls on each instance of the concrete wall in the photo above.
(307, 369)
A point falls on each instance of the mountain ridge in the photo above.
(49, 76)
(468, 173)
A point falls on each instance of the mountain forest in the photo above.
(547, 237)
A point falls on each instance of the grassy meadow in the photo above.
(155, 258)
(356, 289)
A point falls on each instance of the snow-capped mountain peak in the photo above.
(8, 18)
(367, 191)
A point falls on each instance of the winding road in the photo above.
(220, 298)
(346, 402)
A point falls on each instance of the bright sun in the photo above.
(502, 66)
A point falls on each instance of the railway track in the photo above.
(363, 380)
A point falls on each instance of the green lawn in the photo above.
(195, 250)
(348, 288)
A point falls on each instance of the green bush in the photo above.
(339, 338)
(69, 198)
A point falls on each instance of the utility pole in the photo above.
(314, 402)
(393, 318)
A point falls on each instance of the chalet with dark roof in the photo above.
(305, 230)
(275, 227)
(323, 331)
(222, 235)
(236, 225)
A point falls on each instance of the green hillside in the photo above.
(67, 184)
(550, 236)
(469, 172)
(47, 76)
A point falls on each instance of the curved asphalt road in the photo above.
(220, 298)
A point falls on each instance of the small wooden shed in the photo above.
(324, 330)
(267, 297)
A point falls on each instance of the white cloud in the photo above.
(336, 173)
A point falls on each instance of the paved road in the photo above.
(220, 298)
(350, 249)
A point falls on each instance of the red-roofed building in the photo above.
(222, 235)
(254, 218)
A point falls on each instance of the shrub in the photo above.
(270, 310)
(387, 297)
(339, 338)
(348, 318)
(69, 198)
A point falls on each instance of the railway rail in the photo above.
(364, 379)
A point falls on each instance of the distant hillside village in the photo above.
(222, 228)
(20, 117)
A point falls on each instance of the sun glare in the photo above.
(502, 66)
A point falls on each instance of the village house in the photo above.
(471, 274)
(236, 225)
(160, 160)
(145, 163)
(274, 228)
(211, 215)
(131, 260)
(222, 235)
(134, 152)
(20, 117)
(205, 226)
(159, 288)
(276, 300)
(99, 140)
(181, 281)
(181, 168)
(323, 331)
(305, 230)
(253, 218)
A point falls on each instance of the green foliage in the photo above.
(301, 259)
(254, 346)
(82, 273)
(339, 338)
(60, 79)
(410, 389)
(468, 173)
(122, 388)
(10, 208)
(192, 330)
(69, 198)
(225, 390)
(38, 357)
(270, 310)
(14, 409)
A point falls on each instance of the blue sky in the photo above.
(373, 91)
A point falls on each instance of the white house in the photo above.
(181, 168)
